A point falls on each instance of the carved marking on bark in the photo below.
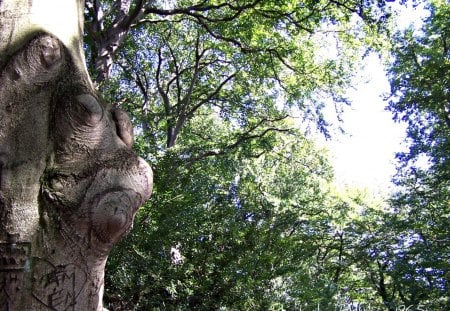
(13, 260)
(57, 287)
(14, 256)
(10, 283)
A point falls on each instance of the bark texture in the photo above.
(70, 184)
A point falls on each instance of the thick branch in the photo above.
(195, 11)
(244, 137)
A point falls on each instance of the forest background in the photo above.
(227, 99)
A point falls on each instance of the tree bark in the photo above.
(70, 184)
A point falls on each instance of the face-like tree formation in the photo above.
(70, 183)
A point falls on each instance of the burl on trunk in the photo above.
(70, 184)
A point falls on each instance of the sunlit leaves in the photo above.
(420, 97)
(265, 55)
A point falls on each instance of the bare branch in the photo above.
(161, 91)
(244, 137)
(213, 94)
(196, 10)
(177, 73)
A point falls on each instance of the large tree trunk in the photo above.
(69, 181)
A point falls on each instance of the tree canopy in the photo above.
(245, 213)
(249, 61)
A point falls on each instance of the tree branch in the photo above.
(245, 137)
(195, 10)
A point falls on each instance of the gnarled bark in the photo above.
(69, 182)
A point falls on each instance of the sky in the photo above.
(365, 156)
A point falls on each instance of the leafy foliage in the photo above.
(419, 81)
(244, 214)
(234, 228)
(247, 60)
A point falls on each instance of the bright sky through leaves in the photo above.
(365, 157)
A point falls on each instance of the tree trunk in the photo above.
(69, 182)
